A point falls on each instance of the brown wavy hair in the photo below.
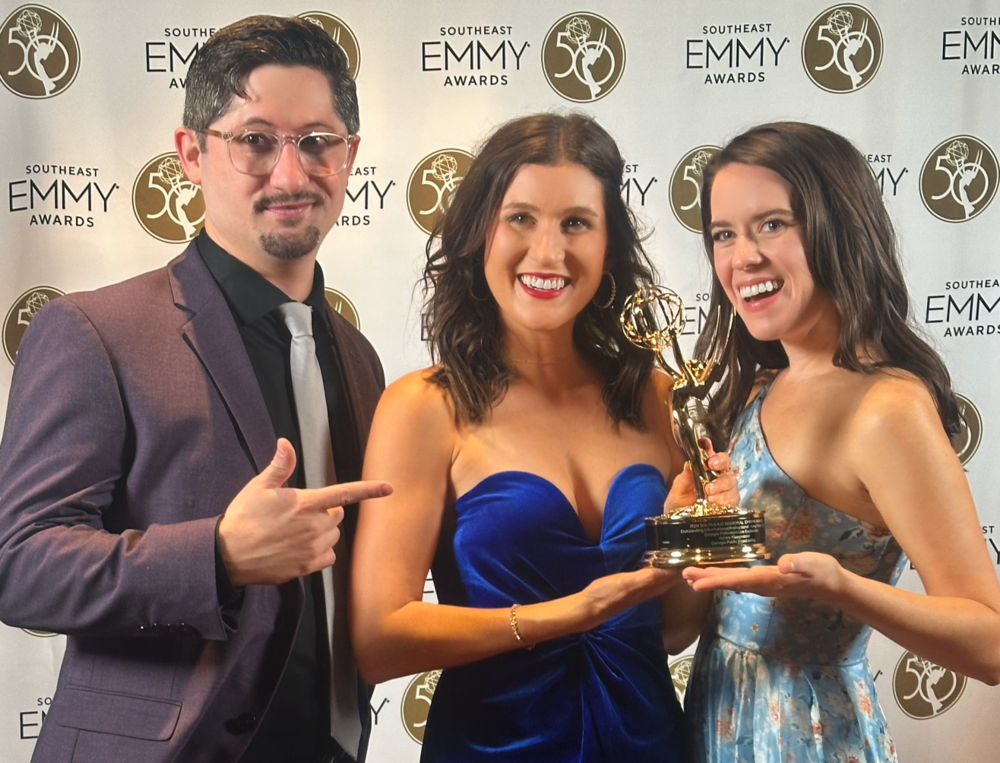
(851, 251)
(462, 318)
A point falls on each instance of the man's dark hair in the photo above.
(463, 318)
(219, 70)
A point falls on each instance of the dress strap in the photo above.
(761, 387)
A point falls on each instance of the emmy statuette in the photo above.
(704, 534)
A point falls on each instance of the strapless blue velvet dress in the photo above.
(604, 695)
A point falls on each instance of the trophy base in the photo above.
(733, 556)
(706, 536)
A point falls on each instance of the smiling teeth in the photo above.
(543, 284)
(758, 288)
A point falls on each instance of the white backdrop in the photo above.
(94, 90)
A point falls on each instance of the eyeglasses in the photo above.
(256, 153)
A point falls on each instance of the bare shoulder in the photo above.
(414, 429)
(894, 406)
(415, 399)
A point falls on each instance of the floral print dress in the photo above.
(788, 680)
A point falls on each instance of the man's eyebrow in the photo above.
(310, 127)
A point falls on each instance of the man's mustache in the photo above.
(287, 198)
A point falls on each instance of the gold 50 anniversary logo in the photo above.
(925, 690)
(417, 703)
(39, 52)
(583, 57)
(680, 674)
(685, 186)
(433, 183)
(959, 178)
(21, 313)
(967, 441)
(842, 49)
(167, 205)
(342, 305)
(341, 34)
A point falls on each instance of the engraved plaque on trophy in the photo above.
(703, 534)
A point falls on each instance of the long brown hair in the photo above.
(462, 317)
(851, 251)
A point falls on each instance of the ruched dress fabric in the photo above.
(778, 680)
(604, 695)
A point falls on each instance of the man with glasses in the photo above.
(142, 507)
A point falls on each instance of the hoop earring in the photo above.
(472, 291)
(611, 299)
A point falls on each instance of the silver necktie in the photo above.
(316, 455)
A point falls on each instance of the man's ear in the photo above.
(186, 142)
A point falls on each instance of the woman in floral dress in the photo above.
(839, 418)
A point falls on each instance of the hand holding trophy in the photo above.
(704, 534)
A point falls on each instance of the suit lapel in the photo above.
(212, 334)
(362, 389)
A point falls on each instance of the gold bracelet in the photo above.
(513, 625)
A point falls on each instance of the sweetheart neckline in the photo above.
(565, 499)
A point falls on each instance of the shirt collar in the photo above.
(249, 294)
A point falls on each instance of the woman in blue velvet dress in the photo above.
(839, 416)
(524, 463)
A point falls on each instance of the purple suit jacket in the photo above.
(134, 418)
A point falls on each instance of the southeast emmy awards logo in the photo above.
(959, 179)
(924, 690)
(433, 183)
(344, 307)
(842, 50)
(167, 205)
(583, 57)
(967, 441)
(685, 186)
(680, 674)
(39, 53)
(341, 34)
(21, 313)
(417, 703)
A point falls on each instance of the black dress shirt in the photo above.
(297, 723)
